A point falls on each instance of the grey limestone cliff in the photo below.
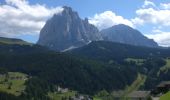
(67, 30)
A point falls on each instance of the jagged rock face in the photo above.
(66, 30)
(125, 34)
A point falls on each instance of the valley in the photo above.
(134, 72)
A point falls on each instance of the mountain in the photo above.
(5, 40)
(125, 34)
(67, 30)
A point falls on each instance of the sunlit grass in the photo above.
(165, 96)
(59, 96)
(11, 84)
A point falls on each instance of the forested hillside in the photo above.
(152, 62)
(51, 68)
(105, 51)
(90, 69)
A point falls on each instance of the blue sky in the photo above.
(87, 8)
(151, 17)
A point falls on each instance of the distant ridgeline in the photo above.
(13, 41)
(105, 51)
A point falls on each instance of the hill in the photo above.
(13, 41)
(106, 51)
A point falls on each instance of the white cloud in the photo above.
(153, 16)
(165, 6)
(137, 21)
(156, 16)
(150, 13)
(19, 17)
(108, 19)
(162, 38)
(148, 3)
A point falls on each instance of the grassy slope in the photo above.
(96, 98)
(137, 61)
(58, 96)
(19, 42)
(135, 85)
(165, 96)
(165, 68)
(17, 85)
(13, 41)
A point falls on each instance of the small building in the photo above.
(82, 97)
(163, 87)
(62, 90)
(118, 95)
(165, 84)
(139, 95)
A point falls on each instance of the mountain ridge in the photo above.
(67, 30)
(125, 34)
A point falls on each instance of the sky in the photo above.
(25, 18)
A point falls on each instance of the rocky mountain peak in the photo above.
(67, 30)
